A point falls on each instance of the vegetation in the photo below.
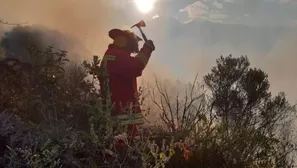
(233, 122)
(52, 115)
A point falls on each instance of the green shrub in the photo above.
(54, 117)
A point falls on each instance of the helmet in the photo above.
(125, 39)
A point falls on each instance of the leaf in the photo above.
(171, 152)
(94, 165)
(162, 155)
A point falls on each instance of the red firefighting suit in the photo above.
(122, 70)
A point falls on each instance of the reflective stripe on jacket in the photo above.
(122, 71)
(126, 119)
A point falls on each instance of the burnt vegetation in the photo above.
(51, 115)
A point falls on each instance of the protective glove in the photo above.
(150, 44)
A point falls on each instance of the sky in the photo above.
(189, 34)
(249, 12)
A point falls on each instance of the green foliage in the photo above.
(52, 115)
(240, 123)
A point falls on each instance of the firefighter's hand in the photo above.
(150, 44)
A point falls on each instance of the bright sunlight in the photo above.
(144, 6)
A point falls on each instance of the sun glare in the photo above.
(144, 6)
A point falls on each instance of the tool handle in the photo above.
(143, 35)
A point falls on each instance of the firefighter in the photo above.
(121, 72)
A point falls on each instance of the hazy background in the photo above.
(189, 35)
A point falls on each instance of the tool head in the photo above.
(139, 24)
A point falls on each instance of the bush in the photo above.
(52, 117)
(232, 121)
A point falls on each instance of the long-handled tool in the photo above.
(139, 25)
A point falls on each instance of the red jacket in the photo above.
(122, 70)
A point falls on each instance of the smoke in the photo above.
(73, 25)
(280, 62)
(16, 42)
(81, 28)
(281, 65)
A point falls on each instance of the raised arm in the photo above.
(133, 66)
